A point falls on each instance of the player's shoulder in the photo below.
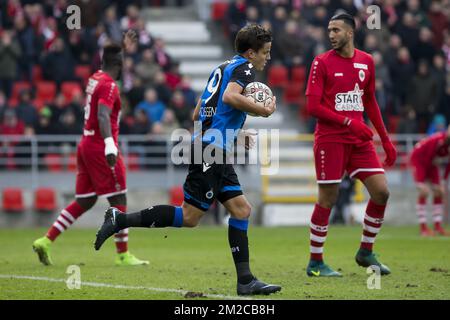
(364, 55)
(324, 56)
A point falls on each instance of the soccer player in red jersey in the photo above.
(101, 171)
(341, 86)
(426, 157)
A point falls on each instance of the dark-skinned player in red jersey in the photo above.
(341, 86)
(101, 171)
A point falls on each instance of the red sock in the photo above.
(372, 224)
(318, 232)
(438, 208)
(121, 237)
(65, 220)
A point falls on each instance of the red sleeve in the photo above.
(107, 94)
(314, 92)
(314, 109)
(371, 105)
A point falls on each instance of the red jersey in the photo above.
(101, 89)
(341, 83)
(431, 150)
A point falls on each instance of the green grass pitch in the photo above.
(199, 261)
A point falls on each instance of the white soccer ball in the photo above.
(259, 93)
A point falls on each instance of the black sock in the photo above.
(154, 217)
(239, 248)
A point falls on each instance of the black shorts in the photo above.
(206, 182)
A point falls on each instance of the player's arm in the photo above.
(104, 123)
(233, 97)
(196, 113)
(374, 114)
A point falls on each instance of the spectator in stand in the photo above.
(424, 50)
(68, 123)
(173, 76)
(26, 111)
(136, 94)
(142, 124)
(235, 18)
(58, 65)
(439, 124)
(145, 40)
(422, 94)
(408, 30)
(279, 19)
(186, 88)
(112, 25)
(152, 106)
(130, 20)
(408, 121)
(57, 108)
(181, 110)
(147, 68)
(3, 105)
(11, 125)
(402, 70)
(439, 23)
(161, 56)
(10, 54)
(289, 45)
(27, 41)
(251, 15)
(161, 87)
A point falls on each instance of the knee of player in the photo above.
(423, 192)
(438, 192)
(190, 220)
(383, 195)
(244, 212)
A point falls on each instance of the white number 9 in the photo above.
(213, 84)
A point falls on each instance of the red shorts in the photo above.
(422, 174)
(94, 176)
(333, 159)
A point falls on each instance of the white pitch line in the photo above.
(119, 286)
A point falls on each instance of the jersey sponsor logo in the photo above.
(360, 66)
(338, 74)
(209, 194)
(349, 101)
(91, 86)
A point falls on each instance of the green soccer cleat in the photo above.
(42, 247)
(320, 269)
(366, 258)
(127, 259)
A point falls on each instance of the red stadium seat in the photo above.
(45, 90)
(69, 89)
(45, 200)
(133, 162)
(17, 87)
(176, 195)
(36, 73)
(13, 200)
(293, 94)
(72, 162)
(218, 11)
(277, 77)
(53, 162)
(298, 74)
(83, 72)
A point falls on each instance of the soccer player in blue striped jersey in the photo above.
(221, 111)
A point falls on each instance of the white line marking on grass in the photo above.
(119, 286)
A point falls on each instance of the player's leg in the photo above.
(423, 191)
(420, 174)
(240, 209)
(85, 198)
(438, 207)
(66, 218)
(124, 257)
(327, 197)
(330, 159)
(376, 185)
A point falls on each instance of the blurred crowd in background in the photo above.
(44, 65)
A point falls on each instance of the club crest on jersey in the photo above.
(349, 101)
(362, 75)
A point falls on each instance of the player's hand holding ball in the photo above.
(359, 129)
(261, 94)
(111, 151)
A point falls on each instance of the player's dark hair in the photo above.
(112, 56)
(347, 18)
(252, 36)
